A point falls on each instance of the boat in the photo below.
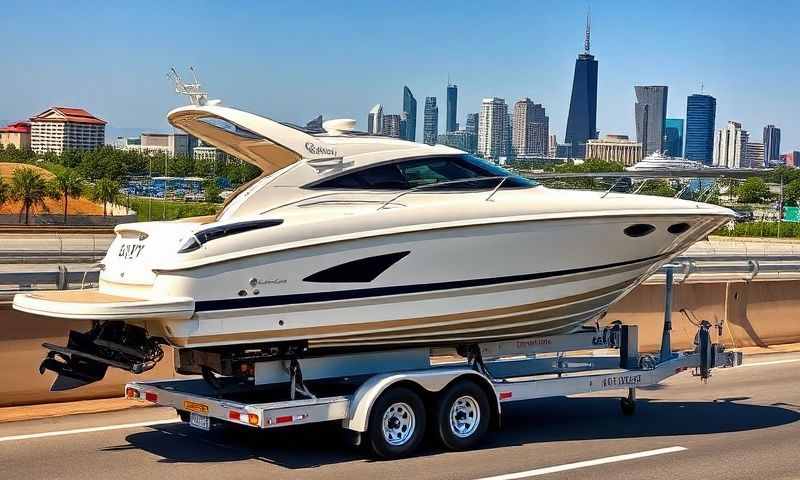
(658, 162)
(351, 241)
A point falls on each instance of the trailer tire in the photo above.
(396, 423)
(184, 415)
(462, 415)
(628, 406)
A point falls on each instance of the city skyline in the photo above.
(128, 86)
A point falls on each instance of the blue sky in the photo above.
(293, 60)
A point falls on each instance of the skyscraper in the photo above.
(730, 146)
(772, 144)
(530, 129)
(391, 126)
(651, 111)
(430, 127)
(754, 155)
(701, 111)
(410, 111)
(673, 137)
(452, 108)
(582, 119)
(492, 127)
(375, 120)
(473, 120)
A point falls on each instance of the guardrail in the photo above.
(689, 268)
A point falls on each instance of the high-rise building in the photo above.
(410, 111)
(375, 120)
(492, 128)
(651, 111)
(552, 145)
(452, 108)
(673, 137)
(507, 149)
(754, 155)
(530, 129)
(614, 148)
(772, 144)
(582, 119)
(701, 112)
(392, 126)
(460, 139)
(471, 125)
(730, 146)
(62, 128)
(430, 127)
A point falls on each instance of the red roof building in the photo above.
(65, 128)
(17, 134)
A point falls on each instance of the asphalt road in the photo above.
(742, 424)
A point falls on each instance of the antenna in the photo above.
(197, 96)
(702, 87)
(586, 39)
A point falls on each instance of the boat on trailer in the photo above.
(350, 242)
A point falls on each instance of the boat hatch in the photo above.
(265, 143)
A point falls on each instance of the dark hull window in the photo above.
(421, 172)
(358, 271)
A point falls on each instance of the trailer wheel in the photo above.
(396, 423)
(462, 415)
(184, 415)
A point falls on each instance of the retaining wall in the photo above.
(756, 314)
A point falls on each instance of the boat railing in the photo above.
(449, 182)
(395, 195)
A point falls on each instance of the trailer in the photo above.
(389, 400)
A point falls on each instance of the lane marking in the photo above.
(773, 362)
(587, 463)
(105, 428)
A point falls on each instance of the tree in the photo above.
(753, 190)
(5, 193)
(28, 187)
(660, 188)
(106, 191)
(791, 193)
(66, 184)
(212, 191)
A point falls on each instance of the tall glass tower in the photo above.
(582, 119)
(410, 111)
(452, 108)
(430, 126)
(701, 111)
(673, 137)
(651, 110)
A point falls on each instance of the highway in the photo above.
(742, 424)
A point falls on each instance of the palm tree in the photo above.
(66, 184)
(106, 191)
(5, 193)
(30, 188)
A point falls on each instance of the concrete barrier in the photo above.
(756, 314)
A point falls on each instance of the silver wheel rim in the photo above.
(398, 424)
(465, 416)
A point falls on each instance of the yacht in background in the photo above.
(658, 162)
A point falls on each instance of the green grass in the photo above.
(761, 229)
(174, 209)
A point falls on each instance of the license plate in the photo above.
(200, 421)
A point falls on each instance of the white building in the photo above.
(375, 120)
(63, 128)
(492, 127)
(614, 148)
(170, 144)
(754, 156)
(392, 125)
(730, 146)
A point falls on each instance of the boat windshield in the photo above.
(453, 171)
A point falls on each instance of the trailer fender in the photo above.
(431, 381)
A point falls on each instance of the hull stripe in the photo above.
(299, 298)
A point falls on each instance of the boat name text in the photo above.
(319, 149)
(130, 251)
